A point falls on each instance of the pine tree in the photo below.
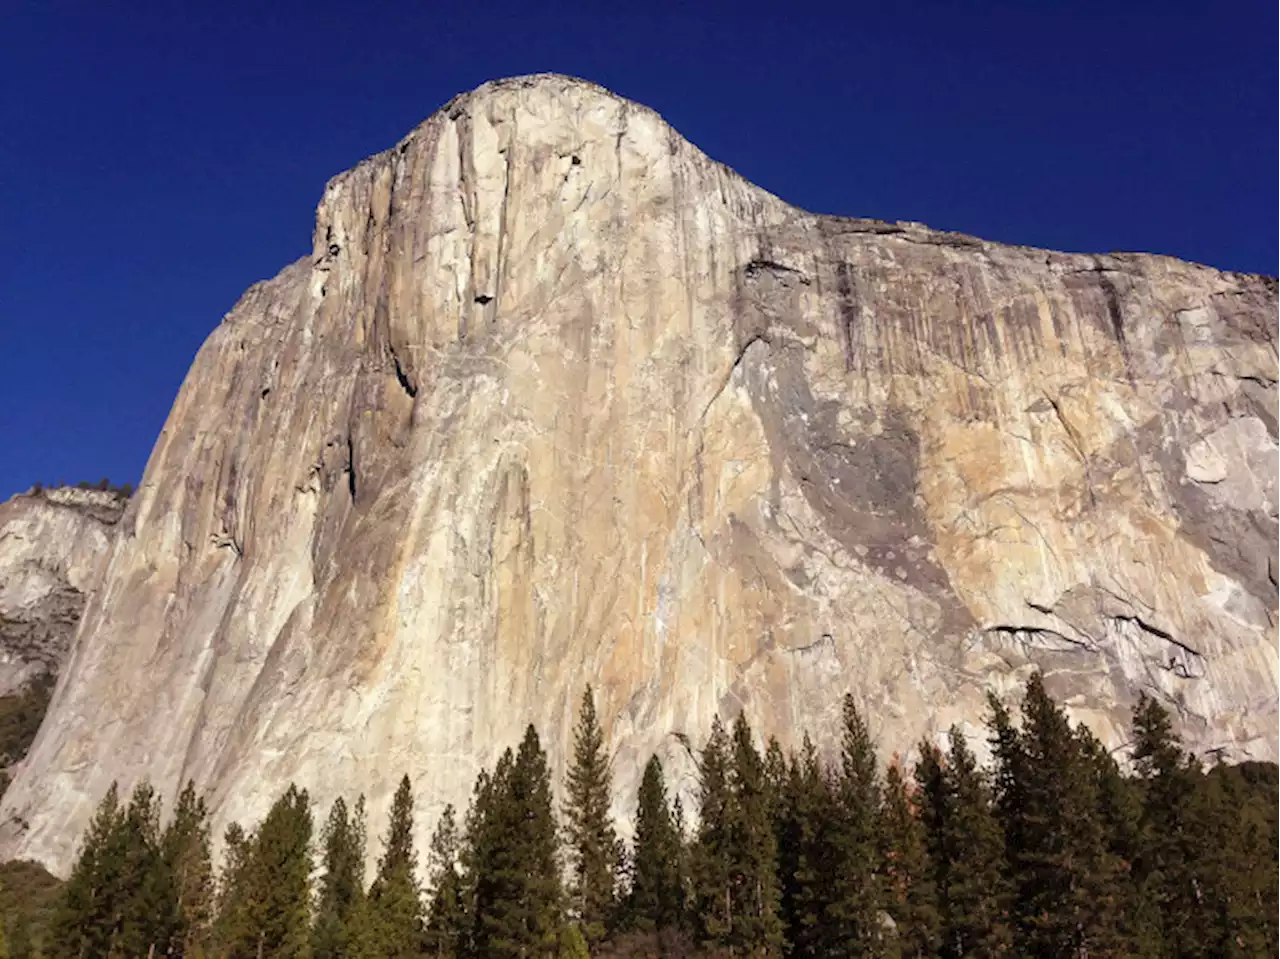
(517, 894)
(653, 902)
(265, 910)
(1237, 864)
(1168, 862)
(853, 923)
(146, 891)
(21, 943)
(712, 855)
(1066, 897)
(910, 894)
(395, 900)
(474, 856)
(573, 944)
(804, 818)
(966, 852)
(188, 865)
(447, 921)
(119, 898)
(83, 924)
(233, 921)
(342, 885)
(1125, 838)
(1201, 865)
(594, 859)
(361, 937)
(684, 865)
(756, 928)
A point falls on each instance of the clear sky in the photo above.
(155, 163)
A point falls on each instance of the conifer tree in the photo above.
(853, 922)
(1167, 864)
(1125, 838)
(966, 852)
(342, 884)
(118, 899)
(233, 921)
(22, 943)
(83, 924)
(775, 773)
(684, 864)
(804, 819)
(910, 894)
(146, 891)
(188, 865)
(712, 856)
(1066, 898)
(282, 876)
(573, 944)
(395, 901)
(756, 928)
(1201, 865)
(1237, 865)
(474, 856)
(361, 937)
(267, 886)
(516, 878)
(653, 902)
(447, 918)
(594, 858)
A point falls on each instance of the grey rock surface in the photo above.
(54, 546)
(558, 400)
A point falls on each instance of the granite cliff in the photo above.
(558, 400)
(53, 551)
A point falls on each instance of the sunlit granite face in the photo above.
(558, 400)
(54, 546)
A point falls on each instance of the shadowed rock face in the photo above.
(557, 399)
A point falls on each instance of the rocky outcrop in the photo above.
(53, 550)
(558, 400)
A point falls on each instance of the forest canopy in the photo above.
(1054, 849)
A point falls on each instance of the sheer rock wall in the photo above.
(54, 547)
(558, 400)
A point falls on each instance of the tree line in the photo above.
(104, 485)
(1053, 851)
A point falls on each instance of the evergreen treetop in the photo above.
(594, 852)
(395, 900)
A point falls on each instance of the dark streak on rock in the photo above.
(1027, 634)
(351, 467)
(1114, 313)
(1155, 631)
(849, 309)
(402, 378)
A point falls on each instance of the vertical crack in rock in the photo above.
(351, 467)
(1112, 299)
(401, 376)
(728, 377)
(850, 311)
(1077, 447)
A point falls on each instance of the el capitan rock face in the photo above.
(558, 400)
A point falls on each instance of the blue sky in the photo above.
(155, 162)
